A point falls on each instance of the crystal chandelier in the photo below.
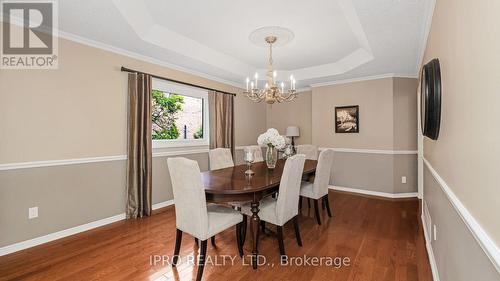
(271, 93)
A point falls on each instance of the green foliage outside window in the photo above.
(199, 133)
(164, 109)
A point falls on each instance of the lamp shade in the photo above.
(292, 131)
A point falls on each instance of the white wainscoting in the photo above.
(374, 193)
(70, 231)
(484, 240)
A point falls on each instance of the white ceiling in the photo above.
(334, 39)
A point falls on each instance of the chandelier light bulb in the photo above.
(273, 91)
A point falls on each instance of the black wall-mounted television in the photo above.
(430, 99)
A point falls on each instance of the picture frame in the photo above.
(347, 119)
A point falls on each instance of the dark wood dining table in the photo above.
(231, 185)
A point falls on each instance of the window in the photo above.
(179, 114)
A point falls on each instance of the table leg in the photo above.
(254, 227)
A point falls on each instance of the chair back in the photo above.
(220, 158)
(310, 151)
(323, 172)
(287, 206)
(191, 213)
(257, 152)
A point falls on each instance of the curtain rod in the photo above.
(124, 69)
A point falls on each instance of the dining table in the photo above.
(232, 185)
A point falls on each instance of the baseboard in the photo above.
(375, 193)
(70, 231)
(430, 253)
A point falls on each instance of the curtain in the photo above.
(139, 163)
(221, 111)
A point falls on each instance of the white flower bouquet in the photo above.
(272, 138)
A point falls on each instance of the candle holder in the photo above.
(249, 158)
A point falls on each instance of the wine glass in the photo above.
(249, 159)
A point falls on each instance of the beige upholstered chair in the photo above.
(279, 211)
(319, 189)
(310, 151)
(257, 152)
(220, 158)
(192, 215)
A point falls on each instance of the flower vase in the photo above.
(271, 157)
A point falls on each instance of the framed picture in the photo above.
(347, 119)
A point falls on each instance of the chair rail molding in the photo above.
(63, 162)
(481, 236)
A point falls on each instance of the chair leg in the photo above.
(212, 240)
(178, 240)
(263, 226)
(316, 211)
(309, 203)
(201, 260)
(300, 202)
(196, 242)
(297, 230)
(327, 204)
(244, 231)
(238, 238)
(280, 240)
(323, 203)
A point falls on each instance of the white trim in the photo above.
(70, 231)
(63, 162)
(179, 152)
(59, 234)
(374, 193)
(163, 204)
(75, 161)
(481, 236)
(430, 253)
(371, 151)
(123, 52)
(365, 78)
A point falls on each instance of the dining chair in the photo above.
(220, 158)
(319, 188)
(309, 150)
(280, 210)
(257, 152)
(192, 215)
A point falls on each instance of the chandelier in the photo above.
(272, 92)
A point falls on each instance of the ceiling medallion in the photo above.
(271, 92)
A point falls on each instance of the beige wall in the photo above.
(296, 113)
(80, 109)
(405, 113)
(465, 37)
(375, 101)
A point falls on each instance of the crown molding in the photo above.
(364, 78)
(148, 59)
(429, 12)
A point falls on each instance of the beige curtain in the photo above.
(139, 146)
(221, 111)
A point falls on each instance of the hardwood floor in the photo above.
(383, 240)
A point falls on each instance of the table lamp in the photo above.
(292, 131)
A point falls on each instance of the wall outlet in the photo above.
(403, 179)
(33, 212)
(435, 233)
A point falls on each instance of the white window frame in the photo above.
(170, 87)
